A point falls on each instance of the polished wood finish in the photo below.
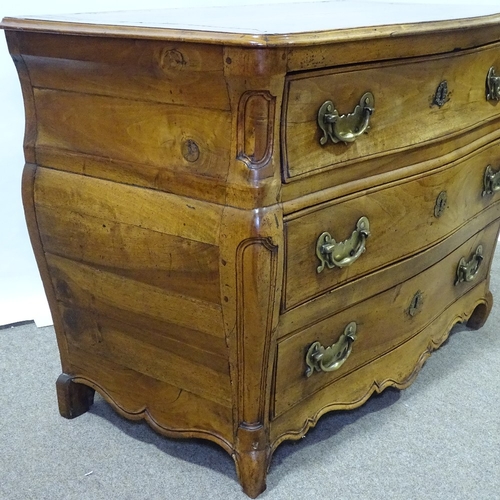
(401, 120)
(390, 239)
(384, 322)
(175, 189)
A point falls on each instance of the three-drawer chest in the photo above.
(245, 218)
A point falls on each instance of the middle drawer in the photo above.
(400, 219)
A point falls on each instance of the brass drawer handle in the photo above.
(345, 128)
(492, 85)
(467, 271)
(329, 359)
(491, 181)
(343, 253)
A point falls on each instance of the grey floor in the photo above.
(439, 439)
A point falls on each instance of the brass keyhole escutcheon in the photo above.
(190, 151)
(416, 304)
(441, 95)
(440, 205)
(492, 85)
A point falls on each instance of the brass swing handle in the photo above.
(492, 85)
(467, 271)
(345, 128)
(329, 359)
(343, 253)
(491, 181)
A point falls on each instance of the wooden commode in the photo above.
(247, 217)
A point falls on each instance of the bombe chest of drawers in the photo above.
(246, 218)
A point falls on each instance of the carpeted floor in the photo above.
(439, 439)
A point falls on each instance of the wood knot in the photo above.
(172, 60)
(63, 289)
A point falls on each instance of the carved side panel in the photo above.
(256, 281)
(251, 251)
(254, 82)
(251, 276)
(256, 286)
(256, 128)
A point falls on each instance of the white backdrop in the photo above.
(21, 293)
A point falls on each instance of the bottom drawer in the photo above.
(377, 325)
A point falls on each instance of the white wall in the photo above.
(21, 292)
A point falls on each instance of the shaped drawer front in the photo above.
(312, 359)
(326, 246)
(333, 117)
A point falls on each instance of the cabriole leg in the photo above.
(252, 467)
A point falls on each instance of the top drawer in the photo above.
(415, 102)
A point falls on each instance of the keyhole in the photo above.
(415, 304)
(441, 94)
(440, 205)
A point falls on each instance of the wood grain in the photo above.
(183, 183)
(30, 130)
(139, 132)
(166, 408)
(404, 115)
(154, 24)
(398, 368)
(324, 185)
(383, 322)
(400, 42)
(140, 70)
(148, 353)
(175, 189)
(28, 196)
(76, 281)
(367, 286)
(399, 226)
(179, 265)
(134, 206)
(251, 277)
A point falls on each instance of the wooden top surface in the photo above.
(271, 24)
